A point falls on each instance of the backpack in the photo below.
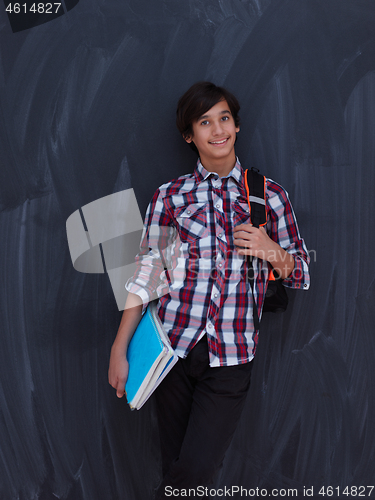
(276, 299)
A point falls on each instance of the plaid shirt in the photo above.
(188, 260)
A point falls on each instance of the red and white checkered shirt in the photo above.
(204, 290)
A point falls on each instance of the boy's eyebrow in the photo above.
(208, 116)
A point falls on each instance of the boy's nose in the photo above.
(218, 128)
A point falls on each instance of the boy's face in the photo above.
(214, 135)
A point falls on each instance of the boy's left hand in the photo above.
(254, 241)
(250, 240)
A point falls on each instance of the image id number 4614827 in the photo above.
(33, 8)
(348, 491)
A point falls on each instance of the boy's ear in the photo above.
(188, 138)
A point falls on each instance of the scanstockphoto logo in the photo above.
(28, 14)
(104, 237)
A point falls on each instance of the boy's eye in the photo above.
(225, 118)
(204, 122)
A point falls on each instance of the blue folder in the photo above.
(150, 358)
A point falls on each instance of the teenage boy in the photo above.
(208, 312)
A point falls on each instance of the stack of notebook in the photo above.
(150, 358)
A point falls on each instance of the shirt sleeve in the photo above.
(150, 280)
(283, 229)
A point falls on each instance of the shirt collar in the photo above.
(201, 174)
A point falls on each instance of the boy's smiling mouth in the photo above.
(221, 141)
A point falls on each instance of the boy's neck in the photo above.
(220, 167)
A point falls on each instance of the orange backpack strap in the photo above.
(255, 184)
(276, 299)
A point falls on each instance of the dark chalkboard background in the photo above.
(87, 107)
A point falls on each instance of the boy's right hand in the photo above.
(118, 370)
(118, 363)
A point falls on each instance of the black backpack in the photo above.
(276, 299)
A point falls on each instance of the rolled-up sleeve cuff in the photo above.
(146, 295)
(299, 278)
(142, 293)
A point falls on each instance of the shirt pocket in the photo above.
(240, 213)
(192, 221)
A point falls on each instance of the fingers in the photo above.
(119, 386)
(246, 235)
(118, 383)
(250, 240)
(120, 392)
(242, 244)
(118, 371)
(243, 238)
(244, 232)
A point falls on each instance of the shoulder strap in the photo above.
(255, 184)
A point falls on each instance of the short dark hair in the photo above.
(197, 100)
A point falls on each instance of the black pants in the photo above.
(198, 411)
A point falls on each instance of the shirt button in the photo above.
(188, 212)
(216, 295)
(220, 265)
(220, 235)
(218, 206)
(209, 326)
(305, 285)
